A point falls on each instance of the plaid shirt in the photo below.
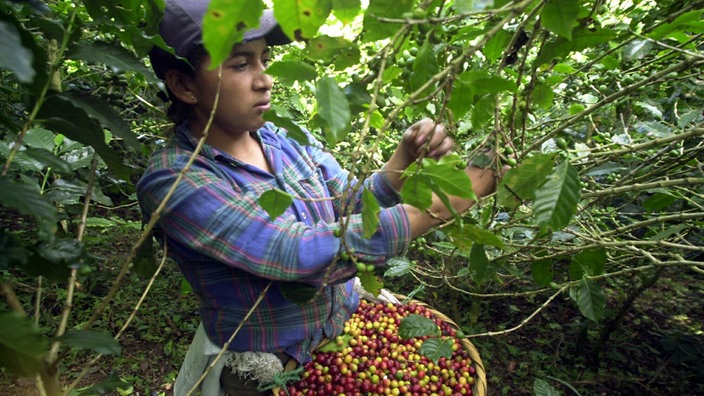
(229, 249)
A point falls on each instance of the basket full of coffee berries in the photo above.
(393, 349)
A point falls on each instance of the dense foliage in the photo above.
(596, 105)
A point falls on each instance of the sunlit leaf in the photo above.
(301, 19)
(370, 282)
(424, 67)
(416, 192)
(346, 10)
(560, 17)
(275, 202)
(374, 29)
(225, 23)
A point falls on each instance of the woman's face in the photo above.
(245, 91)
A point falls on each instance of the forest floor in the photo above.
(657, 348)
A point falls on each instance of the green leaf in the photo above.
(483, 111)
(48, 160)
(542, 388)
(373, 28)
(27, 199)
(447, 175)
(582, 38)
(435, 348)
(556, 200)
(275, 202)
(398, 266)
(370, 213)
(106, 386)
(560, 17)
(589, 298)
(21, 345)
(462, 98)
(333, 109)
(416, 192)
(15, 57)
(691, 20)
(370, 282)
(110, 119)
(542, 272)
(543, 96)
(144, 262)
(301, 19)
(224, 24)
(424, 68)
(588, 262)
(96, 342)
(342, 53)
(288, 72)
(519, 183)
(415, 325)
(40, 138)
(494, 48)
(11, 251)
(483, 236)
(479, 264)
(62, 116)
(292, 130)
(346, 10)
(117, 57)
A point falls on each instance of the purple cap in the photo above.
(183, 22)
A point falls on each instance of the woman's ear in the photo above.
(180, 85)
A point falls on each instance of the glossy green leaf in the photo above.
(291, 129)
(398, 266)
(519, 183)
(436, 348)
(449, 176)
(39, 138)
(48, 160)
(424, 68)
(374, 29)
(301, 19)
(495, 47)
(113, 55)
(483, 236)
(415, 325)
(21, 345)
(288, 72)
(336, 50)
(370, 213)
(16, 57)
(542, 272)
(589, 298)
(543, 96)
(542, 388)
(416, 192)
(224, 24)
(346, 10)
(479, 264)
(588, 262)
(275, 202)
(62, 116)
(556, 200)
(27, 199)
(106, 115)
(560, 17)
(96, 342)
(370, 282)
(333, 109)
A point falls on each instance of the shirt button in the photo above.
(303, 216)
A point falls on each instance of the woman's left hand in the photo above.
(426, 138)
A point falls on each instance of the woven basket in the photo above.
(480, 385)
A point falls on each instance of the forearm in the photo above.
(483, 183)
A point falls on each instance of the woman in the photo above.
(228, 248)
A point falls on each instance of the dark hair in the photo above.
(163, 61)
